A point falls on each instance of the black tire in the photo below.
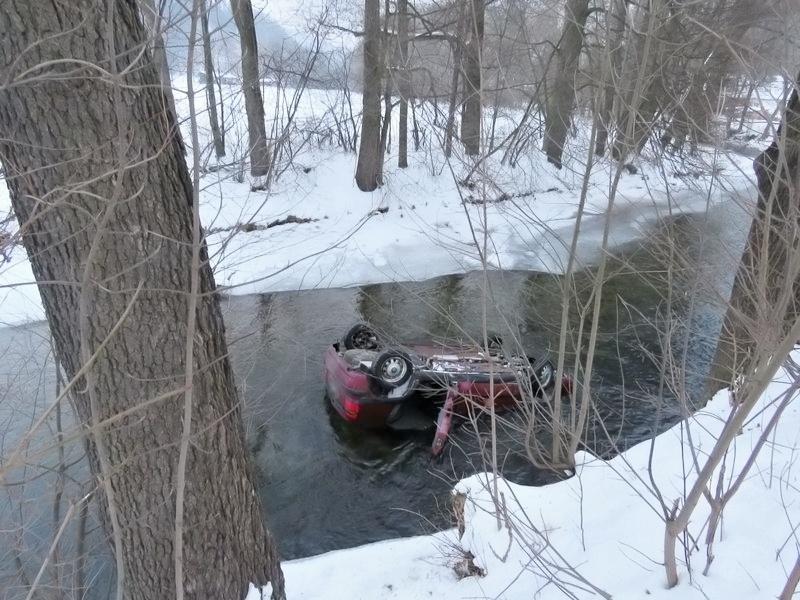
(495, 341)
(392, 369)
(361, 337)
(543, 375)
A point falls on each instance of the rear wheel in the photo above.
(393, 368)
(543, 375)
(495, 341)
(361, 337)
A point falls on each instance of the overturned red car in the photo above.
(372, 384)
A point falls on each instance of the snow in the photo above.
(601, 529)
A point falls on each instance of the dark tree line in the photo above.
(659, 72)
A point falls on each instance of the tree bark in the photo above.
(251, 88)
(98, 181)
(369, 169)
(562, 94)
(472, 107)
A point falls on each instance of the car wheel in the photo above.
(392, 368)
(542, 374)
(495, 341)
(361, 337)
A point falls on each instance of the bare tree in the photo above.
(369, 169)
(109, 217)
(403, 83)
(251, 88)
(456, 47)
(762, 323)
(764, 301)
(561, 98)
(472, 106)
(614, 34)
(211, 79)
(679, 64)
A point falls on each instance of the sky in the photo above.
(598, 532)
(299, 18)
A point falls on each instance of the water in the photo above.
(327, 485)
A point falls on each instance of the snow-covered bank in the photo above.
(315, 229)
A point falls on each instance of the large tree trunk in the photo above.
(561, 98)
(251, 88)
(764, 303)
(369, 170)
(472, 107)
(99, 184)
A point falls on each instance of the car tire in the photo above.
(495, 341)
(543, 375)
(361, 337)
(392, 369)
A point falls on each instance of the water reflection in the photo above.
(45, 478)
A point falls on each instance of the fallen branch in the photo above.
(250, 226)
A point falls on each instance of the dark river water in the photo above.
(327, 485)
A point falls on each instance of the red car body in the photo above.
(370, 385)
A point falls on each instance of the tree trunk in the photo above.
(251, 88)
(637, 87)
(211, 79)
(369, 170)
(98, 181)
(791, 582)
(386, 120)
(456, 51)
(764, 300)
(615, 34)
(404, 85)
(562, 93)
(472, 107)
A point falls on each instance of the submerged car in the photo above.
(374, 385)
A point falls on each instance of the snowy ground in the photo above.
(421, 223)
(603, 528)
